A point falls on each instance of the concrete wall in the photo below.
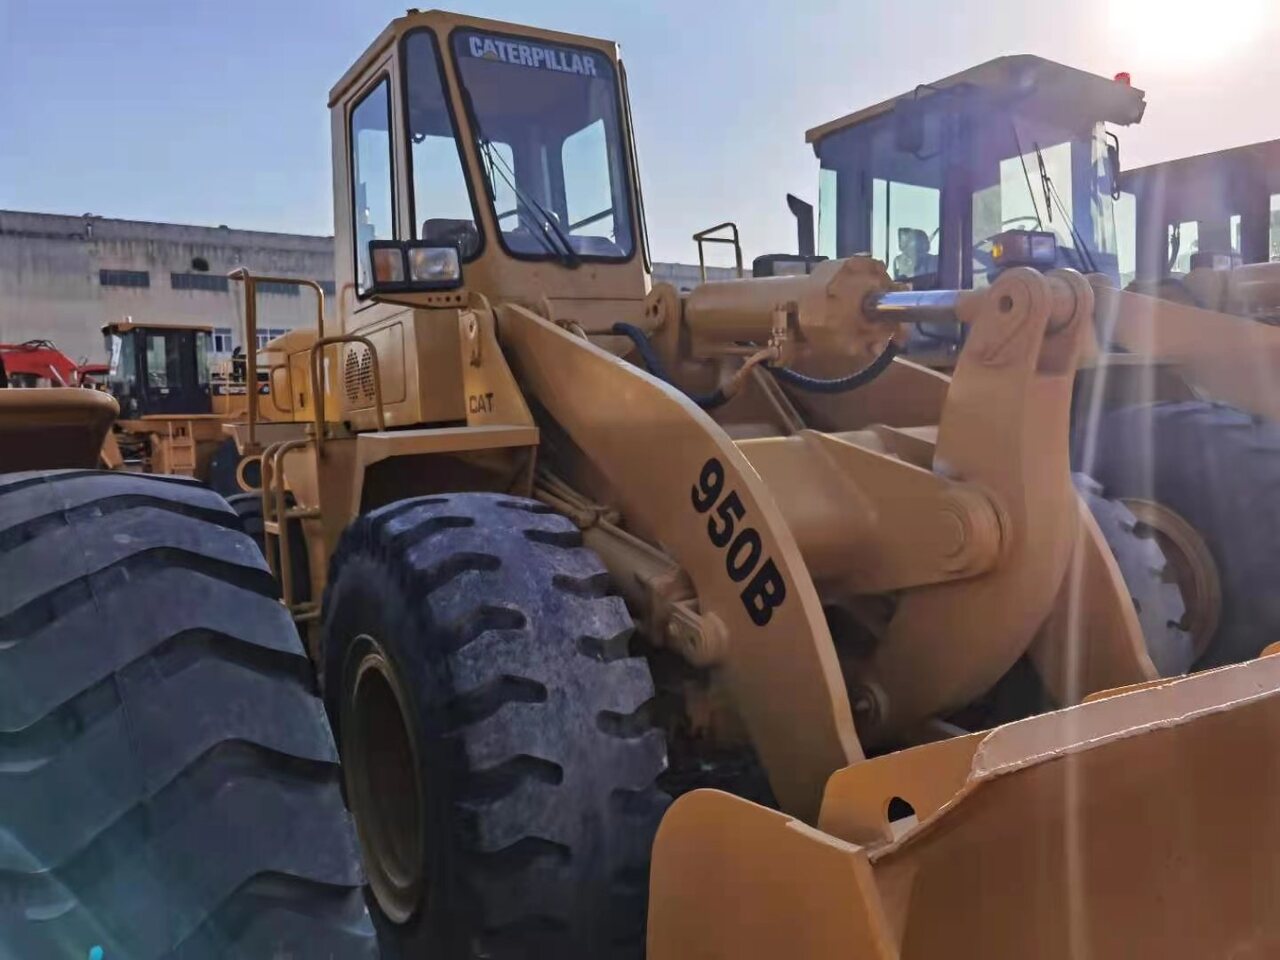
(51, 282)
(51, 286)
(685, 276)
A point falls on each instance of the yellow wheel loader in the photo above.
(1196, 221)
(177, 410)
(169, 783)
(577, 543)
(1013, 163)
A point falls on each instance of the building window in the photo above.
(283, 289)
(199, 281)
(267, 334)
(124, 278)
(222, 340)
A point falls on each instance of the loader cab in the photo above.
(1217, 210)
(1008, 163)
(473, 157)
(159, 369)
(509, 144)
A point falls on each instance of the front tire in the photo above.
(1156, 597)
(502, 766)
(168, 783)
(1218, 468)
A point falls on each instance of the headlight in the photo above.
(413, 266)
(388, 265)
(1025, 248)
(434, 265)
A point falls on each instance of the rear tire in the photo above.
(168, 783)
(1219, 469)
(476, 668)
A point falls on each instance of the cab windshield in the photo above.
(927, 189)
(547, 127)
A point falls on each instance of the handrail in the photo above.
(705, 236)
(243, 275)
(283, 554)
(266, 492)
(317, 393)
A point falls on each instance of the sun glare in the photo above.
(1185, 32)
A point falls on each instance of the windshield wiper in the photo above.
(1027, 177)
(564, 251)
(1051, 192)
(1083, 254)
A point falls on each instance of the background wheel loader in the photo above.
(1197, 220)
(177, 411)
(1175, 415)
(168, 780)
(577, 543)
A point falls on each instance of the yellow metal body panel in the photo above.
(731, 879)
(1004, 424)
(47, 428)
(374, 447)
(867, 523)
(1231, 358)
(1139, 825)
(650, 444)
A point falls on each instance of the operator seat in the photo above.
(452, 233)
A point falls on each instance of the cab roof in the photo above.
(442, 21)
(1183, 174)
(1056, 86)
(126, 326)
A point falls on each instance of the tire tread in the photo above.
(513, 612)
(162, 747)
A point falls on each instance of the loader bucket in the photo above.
(55, 427)
(1142, 824)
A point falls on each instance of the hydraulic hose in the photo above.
(843, 384)
(653, 363)
(718, 397)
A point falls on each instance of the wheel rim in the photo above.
(380, 762)
(1193, 566)
(243, 479)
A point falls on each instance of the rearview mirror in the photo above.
(803, 212)
(413, 266)
(1113, 164)
(908, 126)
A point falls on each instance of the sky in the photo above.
(215, 113)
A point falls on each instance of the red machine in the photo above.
(36, 361)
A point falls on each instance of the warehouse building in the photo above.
(63, 277)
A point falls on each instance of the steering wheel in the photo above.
(587, 221)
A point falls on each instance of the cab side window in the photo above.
(442, 208)
(373, 202)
